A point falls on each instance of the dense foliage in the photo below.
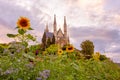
(54, 67)
(87, 47)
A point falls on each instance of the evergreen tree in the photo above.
(48, 42)
(53, 40)
(87, 47)
(44, 40)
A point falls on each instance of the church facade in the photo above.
(61, 37)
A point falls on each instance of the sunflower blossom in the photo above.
(23, 23)
(70, 48)
(60, 51)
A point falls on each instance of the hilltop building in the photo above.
(61, 37)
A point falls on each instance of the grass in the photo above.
(60, 67)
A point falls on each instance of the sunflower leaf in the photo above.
(21, 31)
(11, 35)
(16, 27)
(30, 28)
(29, 56)
(25, 44)
(31, 37)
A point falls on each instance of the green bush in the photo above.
(103, 57)
(52, 49)
(87, 47)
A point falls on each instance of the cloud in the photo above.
(115, 57)
(3, 33)
(104, 39)
(10, 11)
(112, 6)
(82, 10)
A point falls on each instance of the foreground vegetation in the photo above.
(23, 66)
(20, 61)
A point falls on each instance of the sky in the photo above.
(95, 20)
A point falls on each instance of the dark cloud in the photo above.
(103, 39)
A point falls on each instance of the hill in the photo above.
(118, 64)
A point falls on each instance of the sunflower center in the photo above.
(23, 23)
(70, 48)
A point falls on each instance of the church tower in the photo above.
(58, 37)
(55, 27)
(65, 27)
(47, 30)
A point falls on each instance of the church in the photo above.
(61, 37)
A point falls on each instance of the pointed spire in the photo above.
(47, 30)
(65, 27)
(65, 20)
(55, 26)
(55, 19)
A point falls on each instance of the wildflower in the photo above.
(36, 52)
(39, 59)
(70, 48)
(6, 51)
(60, 51)
(18, 51)
(96, 56)
(19, 60)
(30, 65)
(44, 74)
(7, 72)
(23, 23)
(19, 79)
(38, 78)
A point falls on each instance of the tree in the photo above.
(44, 40)
(87, 47)
(52, 49)
(53, 39)
(48, 42)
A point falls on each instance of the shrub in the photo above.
(103, 57)
(87, 47)
(52, 49)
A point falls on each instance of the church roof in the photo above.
(60, 32)
(49, 34)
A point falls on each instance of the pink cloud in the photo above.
(113, 56)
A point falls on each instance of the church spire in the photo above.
(47, 30)
(55, 26)
(55, 19)
(65, 27)
(65, 20)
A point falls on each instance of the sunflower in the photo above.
(96, 56)
(23, 23)
(70, 48)
(60, 51)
